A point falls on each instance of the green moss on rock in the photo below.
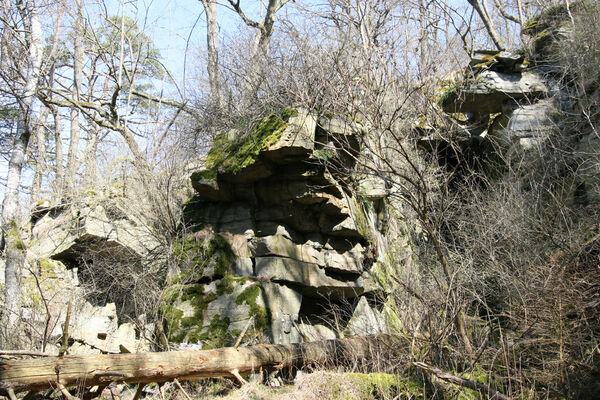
(179, 327)
(194, 255)
(216, 334)
(194, 213)
(233, 154)
(250, 296)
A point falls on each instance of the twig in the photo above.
(139, 391)
(11, 394)
(48, 314)
(239, 339)
(237, 375)
(445, 376)
(161, 390)
(65, 392)
(65, 338)
(182, 390)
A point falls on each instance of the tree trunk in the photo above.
(91, 170)
(59, 173)
(489, 24)
(212, 42)
(40, 165)
(15, 250)
(77, 74)
(40, 374)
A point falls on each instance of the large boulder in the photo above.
(292, 231)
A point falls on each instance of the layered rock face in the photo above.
(275, 234)
(504, 100)
(66, 243)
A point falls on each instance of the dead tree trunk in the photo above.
(50, 372)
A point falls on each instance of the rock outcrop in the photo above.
(275, 233)
(67, 242)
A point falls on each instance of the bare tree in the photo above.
(25, 62)
(212, 46)
(262, 39)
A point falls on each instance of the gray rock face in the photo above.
(298, 139)
(365, 320)
(490, 90)
(284, 306)
(312, 279)
(293, 230)
(97, 226)
(505, 101)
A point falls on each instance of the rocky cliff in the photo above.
(275, 233)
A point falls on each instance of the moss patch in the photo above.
(180, 326)
(233, 154)
(13, 237)
(194, 255)
(194, 213)
(448, 94)
(382, 386)
(249, 296)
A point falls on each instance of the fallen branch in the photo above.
(45, 373)
(445, 376)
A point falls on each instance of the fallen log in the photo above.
(90, 370)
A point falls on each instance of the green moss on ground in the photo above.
(384, 386)
(231, 155)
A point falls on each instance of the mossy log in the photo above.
(90, 370)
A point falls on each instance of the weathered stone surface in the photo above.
(289, 226)
(209, 188)
(335, 227)
(530, 120)
(317, 332)
(269, 192)
(372, 187)
(225, 306)
(298, 139)
(283, 304)
(92, 228)
(365, 320)
(311, 277)
(273, 228)
(350, 261)
(298, 216)
(279, 245)
(99, 327)
(501, 61)
(491, 89)
(251, 173)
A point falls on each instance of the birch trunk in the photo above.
(14, 247)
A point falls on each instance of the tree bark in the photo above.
(40, 164)
(212, 43)
(14, 248)
(72, 163)
(489, 24)
(40, 374)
